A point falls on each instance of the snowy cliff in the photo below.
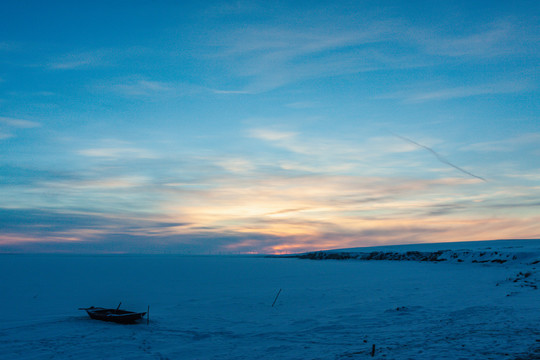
(493, 252)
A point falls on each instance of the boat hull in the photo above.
(114, 315)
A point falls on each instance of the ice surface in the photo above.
(221, 308)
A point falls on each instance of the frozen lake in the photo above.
(221, 308)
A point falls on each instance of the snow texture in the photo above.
(221, 307)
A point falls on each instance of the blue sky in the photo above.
(236, 127)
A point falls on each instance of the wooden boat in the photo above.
(114, 315)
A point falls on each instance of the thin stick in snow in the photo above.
(279, 292)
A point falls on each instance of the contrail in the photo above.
(439, 157)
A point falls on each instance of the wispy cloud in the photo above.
(236, 165)
(88, 58)
(459, 92)
(318, 211)
(18, 123)
(228, 92)
(79, 60)
(301, 105)
(270, 57)
(270, 135)
(265, 211)
(22, 226)
(20, 240)
(8, 126)
(112, 149)
(143, 87)
(495, 39)
(510, 144)
(266, 57)
(116, 153)
(290, 141)
(353, 148)
(369, 156)
(111, 183)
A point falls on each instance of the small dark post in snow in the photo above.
(279, 292)
(118, 307)
(148, 315)
(373, 351)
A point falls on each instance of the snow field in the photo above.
(220, 308)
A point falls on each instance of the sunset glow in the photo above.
(246, 127)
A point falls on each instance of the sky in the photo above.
(266, 127)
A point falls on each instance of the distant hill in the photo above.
(523, 251)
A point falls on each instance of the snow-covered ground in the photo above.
(221, 307)
(496, 251)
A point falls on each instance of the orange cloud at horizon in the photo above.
(313, 212)
(280, 214)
